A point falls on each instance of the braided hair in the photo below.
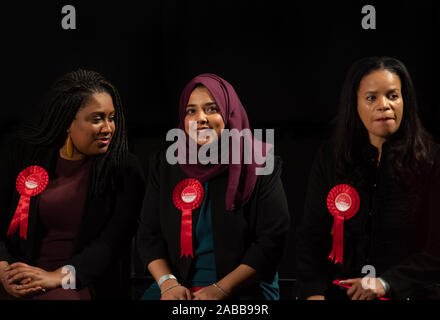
(63, 100)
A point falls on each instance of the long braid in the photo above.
(59, 108)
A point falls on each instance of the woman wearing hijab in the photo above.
(70, 195)
(229, 242)
(372, 205)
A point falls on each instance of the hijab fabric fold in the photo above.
(242, 177)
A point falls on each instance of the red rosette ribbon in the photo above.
(30, 182)
(187, 196)
(343, 203)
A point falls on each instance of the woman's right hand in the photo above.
(177, 293)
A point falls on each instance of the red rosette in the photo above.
(30, 182)
(187, 196)
(343, 203)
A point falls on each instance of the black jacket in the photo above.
(396, 230)
(106, 229)
(254, 235)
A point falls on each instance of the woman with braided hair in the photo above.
(70, 194)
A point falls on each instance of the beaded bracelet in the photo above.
(220, 289)
(170, 287)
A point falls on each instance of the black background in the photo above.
(286, 60)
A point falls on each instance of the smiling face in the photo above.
(93, 127)
(380, 104)
(203, 110)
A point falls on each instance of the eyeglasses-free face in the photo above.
(92, 129)
(380, 104)
(203, 109)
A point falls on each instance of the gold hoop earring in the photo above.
(69, 147)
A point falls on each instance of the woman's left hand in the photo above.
(17, 272)
(208, 293)
(371, 289)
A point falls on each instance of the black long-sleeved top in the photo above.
(254, 234)
(107, 225)
(395, 230)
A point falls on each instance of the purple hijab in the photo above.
(242, 177)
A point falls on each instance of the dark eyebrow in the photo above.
(206, 104)
(100, 113)
(374, 92)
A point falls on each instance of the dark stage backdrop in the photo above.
(286, 59)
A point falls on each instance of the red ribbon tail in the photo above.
(14, 224)
(332, 252)
(186, 248)
(24, 218)
(21, 216)
(337, 251)
(338, 238)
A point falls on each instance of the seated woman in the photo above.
(373, 195)
(212, 231)
(70, 195)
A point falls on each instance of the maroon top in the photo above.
(61, 208)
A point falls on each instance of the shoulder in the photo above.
(132, 165)
(273, 166)
(324, 158)
(326, 151)
(271, 173)
(157, 161)
(435, 150)
(19, 152)
(17, 146)
(132, 161)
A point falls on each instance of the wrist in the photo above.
(225, 293)
(169, 288)
(168, 283)
(385, 285)
(3, 265)
(59, 276)
(165, 278)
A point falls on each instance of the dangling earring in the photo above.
(69, 147)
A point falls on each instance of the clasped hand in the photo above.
(364, 288)
(21, 280)
(183, 293)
